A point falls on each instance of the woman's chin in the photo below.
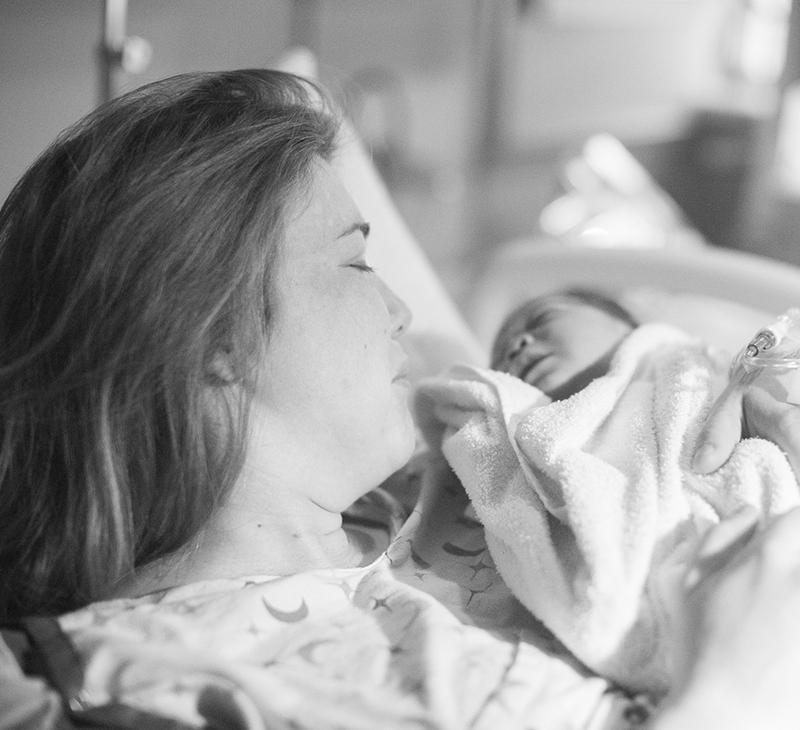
(406, 445)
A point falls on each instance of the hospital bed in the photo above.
(721, 295)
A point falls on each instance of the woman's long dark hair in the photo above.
(135, 250)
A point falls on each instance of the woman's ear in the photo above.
(220, 368)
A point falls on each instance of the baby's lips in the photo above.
(534, 373)
(526, 360)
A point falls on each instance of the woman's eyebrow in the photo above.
(362, 226)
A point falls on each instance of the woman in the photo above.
(200, 373)
(150, 397)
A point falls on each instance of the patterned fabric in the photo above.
(425, 636)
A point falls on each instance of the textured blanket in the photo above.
(590, 507)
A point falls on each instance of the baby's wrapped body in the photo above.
(590, 505)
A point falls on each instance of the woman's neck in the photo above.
(292, 535)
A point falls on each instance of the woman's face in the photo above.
(330, 415)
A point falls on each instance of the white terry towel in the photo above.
(590, 506)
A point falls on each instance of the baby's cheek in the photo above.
(500, 355)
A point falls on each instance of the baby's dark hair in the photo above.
(589, 297)
(601, 301)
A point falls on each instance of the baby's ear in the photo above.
(220, 368)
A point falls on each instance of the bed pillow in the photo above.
(721, 295)
(718, 321)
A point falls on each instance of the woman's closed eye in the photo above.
(358, 230)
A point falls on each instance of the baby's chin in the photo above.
(548, 382)
(564, 383)
(549, 385)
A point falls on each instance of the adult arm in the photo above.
(738, 657)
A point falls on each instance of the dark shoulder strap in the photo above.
(17, 643)
(52, 656)
(42, 649)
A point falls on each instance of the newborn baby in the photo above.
(561, 342)
(575, 450)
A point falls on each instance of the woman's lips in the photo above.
(402, 373)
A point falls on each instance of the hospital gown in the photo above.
(425, 635)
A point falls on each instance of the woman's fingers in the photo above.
(751, 411)
(721, 544)
(780, 545)
(736, 654)
(721, 432)
(773, 419)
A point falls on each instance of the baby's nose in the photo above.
(518, 344)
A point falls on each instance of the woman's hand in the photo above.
(737, 659)
(747, 411)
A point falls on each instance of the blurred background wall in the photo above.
(471, 106)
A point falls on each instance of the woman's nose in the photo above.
(399, 312)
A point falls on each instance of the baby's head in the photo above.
(561, 342)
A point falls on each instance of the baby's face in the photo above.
(557, 343)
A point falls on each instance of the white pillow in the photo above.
(721, 322)
(721, 295)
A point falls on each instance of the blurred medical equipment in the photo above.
(118, 52)
(610, 199)
(772, 357)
